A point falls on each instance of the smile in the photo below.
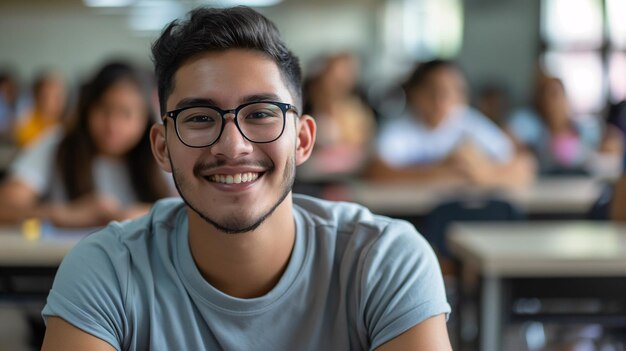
(233, 178)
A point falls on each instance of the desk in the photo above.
(23, 262)
(501, 253)
(571, 196)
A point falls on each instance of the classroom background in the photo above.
(496, 127)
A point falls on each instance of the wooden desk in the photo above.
(501, 253)
(547, 196)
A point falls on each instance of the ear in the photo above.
(158, 142)
(305, 140)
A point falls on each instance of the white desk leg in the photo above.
(490, 317)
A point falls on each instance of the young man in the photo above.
(239, 263)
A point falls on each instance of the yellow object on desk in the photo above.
(31, 229)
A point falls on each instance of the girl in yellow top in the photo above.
(49, 95)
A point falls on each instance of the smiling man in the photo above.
(240, 263)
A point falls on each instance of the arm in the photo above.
(462, 169)
(612, 141)
(19, 201)
(379, 170)
(404, 300)
(87, 297)
(430, 334)
(518, 172)
(60, 335)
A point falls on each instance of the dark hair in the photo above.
(40, 80)
(210, 29)
(421, 71)
(77, 150)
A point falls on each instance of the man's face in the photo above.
(233, 184)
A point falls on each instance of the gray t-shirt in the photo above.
(354, 281)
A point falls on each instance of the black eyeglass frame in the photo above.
(284, 107)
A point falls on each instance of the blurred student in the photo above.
(493, 101)
(49, 100)
(9, 94)
(561, 143)
(440, 138)
(617, 117)
(345, 121)
(99, 169)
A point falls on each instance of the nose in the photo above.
(231, 143)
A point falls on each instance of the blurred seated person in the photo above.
(616, 116)
(561, 143)
(440, 138)
(345, 122)
(49, 99)
(97, 170)
(493, 101)
(9, 94)
(617, 211)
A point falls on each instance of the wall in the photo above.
(501, 43)
(63, 36)
(500, 40)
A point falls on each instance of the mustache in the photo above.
(202, 167)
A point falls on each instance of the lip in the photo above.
(233, 187)
(231, 171)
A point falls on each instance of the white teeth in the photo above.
(234, 179)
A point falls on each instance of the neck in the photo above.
(244, 265)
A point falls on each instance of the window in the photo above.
(584, 44)
(423, 29)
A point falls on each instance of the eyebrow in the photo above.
(196, 101)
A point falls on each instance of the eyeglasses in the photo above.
(258, 122)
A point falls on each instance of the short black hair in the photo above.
(218, 29)
(421, 71)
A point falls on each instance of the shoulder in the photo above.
(115, 240)
(35, 164)
(335, 213)
(46, 145)
(345, 218)
(95, 286)
(401, 124)
(472, 117)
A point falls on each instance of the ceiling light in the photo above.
(251, 3)
(108, 3)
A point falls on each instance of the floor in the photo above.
(14, 334)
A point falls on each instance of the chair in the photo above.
(434, 228)
(438, 220)
(601, 208)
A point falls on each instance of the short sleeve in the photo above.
(489, 137)
(402, 284)
(398, 143)
(90, 287)
(526, 127)
(34, 165)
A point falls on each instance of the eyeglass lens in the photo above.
(258, 122)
